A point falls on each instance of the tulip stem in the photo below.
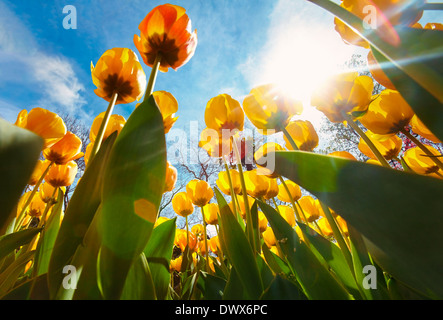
(368, 141)
(31, 196)
(206, 240)
(234, 205)
(103, 125)
(297, 214)
(244, 193)
(433, 157)
(291, 141)
(153, 76)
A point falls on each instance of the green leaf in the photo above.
(10, 242)
(9, 277)
(139, 284)
(282, 289)
(78, 215)
(132, 190)
(19, 152)
(384, 206)
(158, 252)
(47, 238)
(316, 281)
(239, 250)
(211, 286)
(333, 257)
(234, 288)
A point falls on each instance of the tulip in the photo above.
(170, 178)
(223, 182)
(272, 191)
(262, 221)
(67, 149)
(211, 213)
(44, 123)
(303, 134)
(214, 144)
(62, 175)
(269, 110)
(419, 128)
(310, 209)
(176, 264)
(224, 113)
(160, 220)
(265, 163)
(388, 114)
(378, 73)
(342, 225)
(388, 13)
(325, 227)
(288, 214)
(168, 106)
(119, 72)
(421, 163)
(342, 154)
(47, 192)
(115, 123)
(165, 36)
(39, 169)
(343, 95)
(200, 192)
(198, 230)
(182, 238)
(294, 190)
(269, 237)
(214, 245)
(389, 147)
(256, 185)
(182, 204)
(242, 207)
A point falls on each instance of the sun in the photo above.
(299, 60)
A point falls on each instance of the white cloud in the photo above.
(49, 77)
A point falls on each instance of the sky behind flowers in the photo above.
(240, 44)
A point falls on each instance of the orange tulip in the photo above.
(214, 244)
(181, 239)
(419, 128)
(224, 113)
(420, 163)
(119, 71)
(294, 190)
(288, 214)
(170, 178)
(67, 149)
(200, 192)
(166, 31)
(44, 123)
(176, 264)
(168, 106)
(115, 123)
(62, 175)
(378, 73)
(303, 134)
(389, 147)
(47, 190)
(342, 154)
(39, 169)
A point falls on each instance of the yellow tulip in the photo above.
(269, 237)
(268, 109)
(223, 182)
(288, 214)
(378, 73)
(309, 207)
(115, 123)
(389, 146)
(342, 225)
(67, 149)
(343, 94)
(256, 185)
(211, 213)
(168, 106)
(182, 204)
(241, 203)
(47, 190)
(176, 264)
(420, 163)
(214, 244)
(170, 178)
(419, 128)
(262, 221)
(272, 189)
(160, 220)
(388, 114)
(200, 192)
(198, 230)
(36, 207)
(181, 239)
(224, 113)
(265, 164)
(48, 125)
(294, 190)
(166, 30)
(303, 134)
(62, 175)
(214, 144)
(325, 228)
(118, 71)
(342, 154)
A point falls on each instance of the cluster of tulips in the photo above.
(291, 230)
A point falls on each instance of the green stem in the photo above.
(244, 193)
(275, 204)
(297, 214)
(31, 196)
(291, 141)
(433, 6)
(423, 148)
(153, 76)
(206, 241)
(103, 125)
(50, 203)
(234, 205)
(368, 141)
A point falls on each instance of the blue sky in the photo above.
(242, 43)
